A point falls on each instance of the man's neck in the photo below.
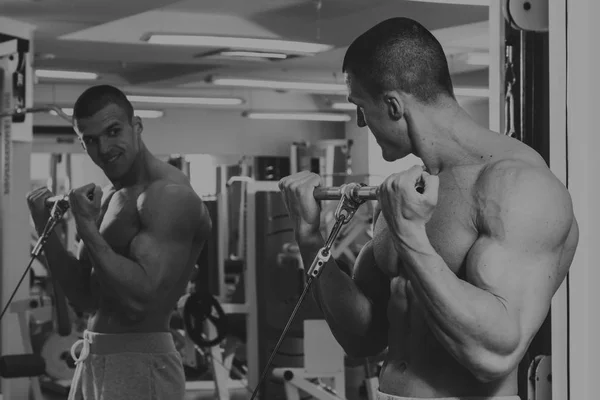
(445, 137)
(138, 173)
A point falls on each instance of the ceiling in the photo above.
(106, 37)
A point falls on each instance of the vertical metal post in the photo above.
(557, 154)
(223, 228)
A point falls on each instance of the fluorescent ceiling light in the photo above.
(298, 116)
(344, 106)
(472, 92)
(139, 113)
(252, 54)
(322, 87)
(462, 2)
(478, 59)
(238, 43)
(460, 91)
(211, 101)
(56, 74)
(149, 113)
(281, 85)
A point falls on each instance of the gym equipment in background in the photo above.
(19, 112)
(62, 318)
(258, 278)
(330, 159)
(326, 362)
(13, 111)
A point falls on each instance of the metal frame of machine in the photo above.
(222, 384)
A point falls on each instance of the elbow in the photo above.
(496, 359)
(362, 355)
(364, 347)
(84, 306)
(491, 373)
(493, 367)
(360, 352)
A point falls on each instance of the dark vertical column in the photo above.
(512, 57)
(535, 107)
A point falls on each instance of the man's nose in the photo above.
(103, 146)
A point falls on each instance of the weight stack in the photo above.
(207, 278)
(280, 281)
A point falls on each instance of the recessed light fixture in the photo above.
(344, 106)
(298, 116)
(149, 113)
(139, 113)
(280, 85)
(238, 43)
(62, 74)
(212, 101)
(253, 54)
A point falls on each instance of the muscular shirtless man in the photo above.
(457, 280)
(140, 239)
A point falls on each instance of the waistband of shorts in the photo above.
(108, 343)
(385, 396)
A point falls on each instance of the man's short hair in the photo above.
(400, 54)
(97, 97)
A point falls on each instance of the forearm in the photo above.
(348, 312)
(127, 280)
(69, 273)
(473, 324)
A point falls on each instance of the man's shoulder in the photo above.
(173, 197)
(172, 192)
(520, 191)
(170, 187)
(517, 176)
(108, 190)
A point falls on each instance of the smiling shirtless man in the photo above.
(457, 280)
(140, 239)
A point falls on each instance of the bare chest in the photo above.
(119, 222)
(451, 232)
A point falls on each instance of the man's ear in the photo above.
(138, 126)
(395, 105)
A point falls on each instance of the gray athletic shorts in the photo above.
(132, 366)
